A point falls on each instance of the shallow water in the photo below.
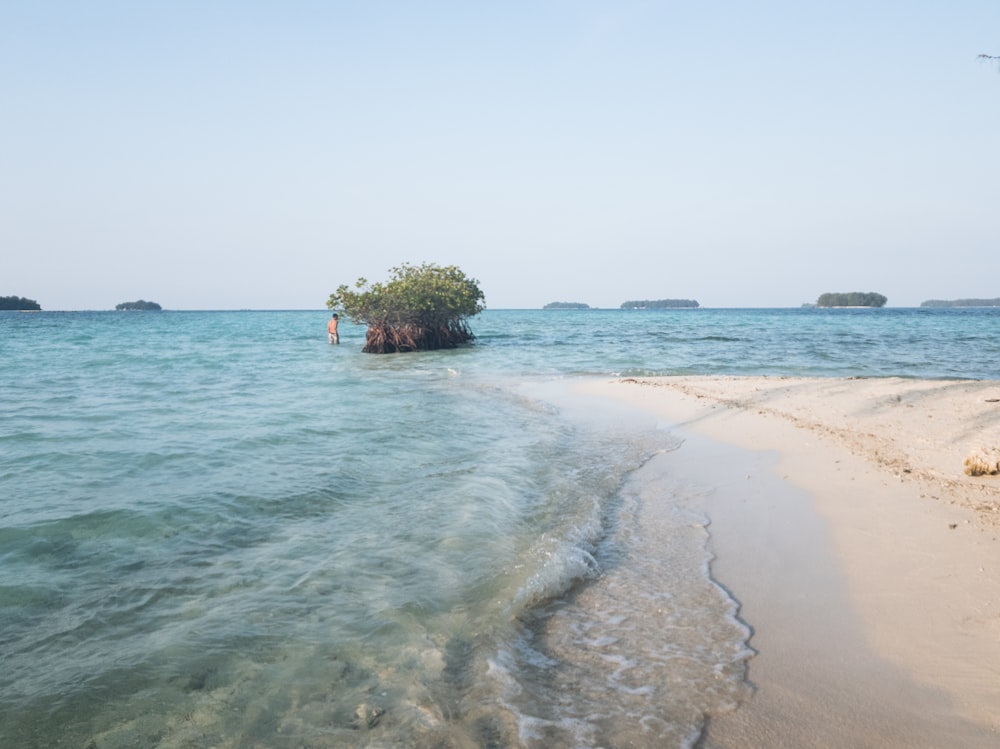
(217, 530)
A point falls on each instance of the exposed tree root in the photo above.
(384, 338)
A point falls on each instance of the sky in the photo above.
(256, 155)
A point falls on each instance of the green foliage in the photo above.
(139, 305)
(18, 302)
(419, 308)
(961, 303)
(851, 299)
(659, 304)
(566, 305)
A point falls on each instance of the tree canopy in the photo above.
(851, 299)
(18, 302)
(420, 308)
(138, 305)
(659, 304)
(961, 303)
(566, 305)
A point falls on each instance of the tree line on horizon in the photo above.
(961, 303)
(635, 304)
(138, 305)
(659, 304)
(18, 303)
(23, 303)
(851, 299)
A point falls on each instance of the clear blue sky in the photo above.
(257, 155)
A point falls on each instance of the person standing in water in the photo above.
(331, 329)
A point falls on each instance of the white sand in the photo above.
(865, 559)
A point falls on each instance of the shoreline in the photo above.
(865, 560)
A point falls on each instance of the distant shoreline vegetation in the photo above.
(851, 299)
(18, 303)
(961, 303)
(139, 305)
(566, 305)
(660, 304)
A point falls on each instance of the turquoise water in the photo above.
(217, 530)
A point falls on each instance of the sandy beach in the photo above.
(857, 522)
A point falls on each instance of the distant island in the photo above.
(566, 305)
(961, 303)
(139, 305)
(19, 303)
(851, 299)
(660, 304)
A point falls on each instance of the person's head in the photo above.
(335, 316)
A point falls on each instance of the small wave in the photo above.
(561, 569)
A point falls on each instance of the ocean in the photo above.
(218, 530)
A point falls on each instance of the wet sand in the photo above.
(864, 557)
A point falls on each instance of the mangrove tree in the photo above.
(420, 308)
